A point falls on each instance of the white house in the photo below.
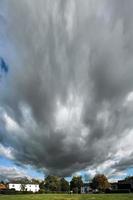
(28, 187)
(15, 186)
(85, 188)
(32, 187)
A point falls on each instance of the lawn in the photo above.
(68, 197)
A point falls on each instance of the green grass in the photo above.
(68, 197)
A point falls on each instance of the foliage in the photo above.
(55, 184)
(76, 184)
(100, 182)
(35, 181)
(41, 191)
(23, 187)
(129, 178)
(42, 185)
(52, 183)
(64, 185)
(24, 180)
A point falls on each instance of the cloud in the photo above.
(63, 105)
(11, 173)
(6, 152)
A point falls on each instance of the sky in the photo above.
(66, 100)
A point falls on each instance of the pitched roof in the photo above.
(2, 186)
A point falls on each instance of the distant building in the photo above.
(2, 187)
(85, 188)
(126, 184)
(114, 186)
(27, 187)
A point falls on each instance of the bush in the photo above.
(26, 192)
(118, 191)
(12, 191)
(41, 191)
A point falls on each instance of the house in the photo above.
(32, 187)
(85, 188)
(114, 186)
(2, 187)
(126, 184)
(24, 187)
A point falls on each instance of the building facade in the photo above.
(85, 188)
(2, 187)
(24, 187)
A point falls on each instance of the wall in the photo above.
(29, 187)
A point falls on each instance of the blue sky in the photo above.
(25, 171)
(30, 172)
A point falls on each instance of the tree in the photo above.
(64, 185)
(129, 179)
(76, 184)
(42, 185)
(23, 187)
(52, 183)
(35, 181)
(100, 182)
(23, 180)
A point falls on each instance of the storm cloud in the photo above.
(67, 101)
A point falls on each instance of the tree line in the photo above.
(60, 184)
(57, 184)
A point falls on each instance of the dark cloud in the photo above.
(64, 104)
(124, 163)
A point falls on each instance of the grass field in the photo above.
(68, 197)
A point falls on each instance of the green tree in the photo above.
(64, 185)
(52, 183)
(42, 185)
(23, 180)
(76, 184)
(129, 178)
(23, 187)
(100, 182)
(35, 181)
